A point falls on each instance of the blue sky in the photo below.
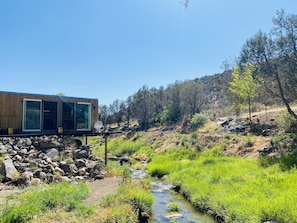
(110, 49)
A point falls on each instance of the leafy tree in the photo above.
(275, 56)
(243, 85)
(173, 102)
(192, 97)
(142, 107)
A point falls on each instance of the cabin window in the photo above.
(68, 116)
(49, 115)
(83, 116)
(32, 115)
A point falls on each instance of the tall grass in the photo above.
(134, 194)
(39, 200)
(119, 147)
(236, 189)
(172, 161)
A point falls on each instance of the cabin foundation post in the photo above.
(105, 150)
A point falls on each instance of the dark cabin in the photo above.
(26, 114)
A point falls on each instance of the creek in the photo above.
(163, 193)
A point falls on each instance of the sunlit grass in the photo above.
(35, 201)
(238, 189)
(136, 195)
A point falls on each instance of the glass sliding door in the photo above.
(32, 115)
(83, 116)
(49, 115)
(68, 116)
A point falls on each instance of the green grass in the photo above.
(38, 200)
(172, 161)
(64, 202)
(118, 147)
(173, 207)
(238, 189)
(135, 194)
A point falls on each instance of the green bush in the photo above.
(287, 122)
(198, 120)
(288, 161)
(173, 207)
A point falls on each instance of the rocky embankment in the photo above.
(34, 160)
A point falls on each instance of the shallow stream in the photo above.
(163, 194)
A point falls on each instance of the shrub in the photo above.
(198, 120)
(287, 122)
(288, 161)
(173, 207)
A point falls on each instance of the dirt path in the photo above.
(6, 191)
(100, 188)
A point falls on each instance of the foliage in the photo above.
(274, 55)
(287, 123)
(151, 106)
(198, 120)
(119, 147)
(171, 161)
(243, 85)
(238, 189)
(39, 200)
(173, 207)
(133, 194)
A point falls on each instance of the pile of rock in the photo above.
(47, 159)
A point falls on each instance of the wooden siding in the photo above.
(11, 109)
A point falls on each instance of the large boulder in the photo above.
(9, 171)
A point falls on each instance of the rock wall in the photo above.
(48, 159)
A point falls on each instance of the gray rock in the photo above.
(9, 171)
(80, 163)
(82, 171)
(52, 153)
(50, 178)
(28, 142)
(25, 178)
(18, 158)
(49, 144)
(42, 176)
(41, 156)
(81, 154)
(64, 178)
(12, 152)
(59, 171)
(68, 168)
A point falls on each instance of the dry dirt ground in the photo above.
(99, 188)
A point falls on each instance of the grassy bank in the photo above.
(64, 202)
(34, 201)
(235, 189)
